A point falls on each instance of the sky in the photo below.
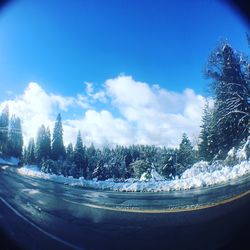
(120, 71)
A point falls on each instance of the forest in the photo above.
(225, 124)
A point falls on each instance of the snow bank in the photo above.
(156, 176)
(12, 161)
(199, 175)
(152, 176)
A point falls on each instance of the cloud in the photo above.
(101, 128)
(132, 112)
(95, 96)
(159, 116)
(35, 107)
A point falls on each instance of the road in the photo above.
(40, 214)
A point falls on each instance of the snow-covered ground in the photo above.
(12, 161)
(199, 175)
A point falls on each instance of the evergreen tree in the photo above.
(80, 157)
(169, 165)
(117, 164)
(70, 153)
(30, 153)
(208, 146)
(58, 150)
(25, 155)
(231, 94)
(101, 172)
(48, 143)
(15, 138)
(140, 167)
(185, 154)
(4, 129)
(92, 159)
(43, 147)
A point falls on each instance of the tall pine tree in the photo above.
(208, 146)
(80, 157)
(58, 150)
(30, 152)
(185, 154)
(43, 147)
(231, 94)
(4, 130)
(70, 153)
(15, 138)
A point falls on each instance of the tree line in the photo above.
(91, 162)
(11, 138)
(50, 154)
(225, 124)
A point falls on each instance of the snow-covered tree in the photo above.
(30, 154)
(15, 138)
(80, 157)
(139, 167)
(51, 167)
(231, 94)
(185, 154)
(208, 146)
(4, 130)
(58, 150)
(169, 164)
(70, 153)
(117, 163)
(92, 155)
(43, 145)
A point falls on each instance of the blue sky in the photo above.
(62, 44)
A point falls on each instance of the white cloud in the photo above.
(102, 128)
(95, 96)
(35, 107)
(159, 116)
(144, 113)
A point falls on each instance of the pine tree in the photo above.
(208, 146)
(139, 167)
(4, 130)
(70, 153)
(92, 159)
(80, 158)
(25, 155)
(30, 158)
(15, 138)
(185, 154)
(48, 143)
(169, 165)
(231, 94)
(43, 146)
(58, 150)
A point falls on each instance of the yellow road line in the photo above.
(157, 211)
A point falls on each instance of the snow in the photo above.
(156, 176)
(242, 153)
(200, 174)
(144, 177)
(153, 175)
(231, 152)
(11, 161)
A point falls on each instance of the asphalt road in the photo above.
(39, 214)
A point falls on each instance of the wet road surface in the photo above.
(39, 214)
